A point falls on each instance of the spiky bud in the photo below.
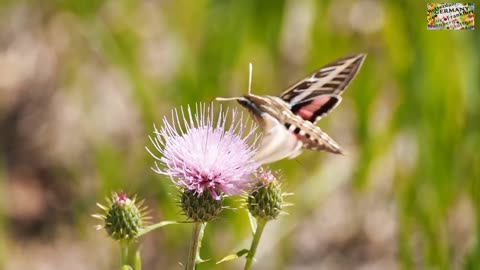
(265, 200)
(123, 217)
(200, 207)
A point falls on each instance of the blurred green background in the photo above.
(83, 82)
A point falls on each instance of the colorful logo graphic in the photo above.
(450, 16)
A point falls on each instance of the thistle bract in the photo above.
(266, 198)
(123, 217)
(200, 208)
(202, 153)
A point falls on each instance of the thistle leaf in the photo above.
(234, 256)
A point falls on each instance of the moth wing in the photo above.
(316, 109)
(320, 92)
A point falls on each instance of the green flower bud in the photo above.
(200, 207)
(123, 217)
(266, 198)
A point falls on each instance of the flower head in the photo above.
(266, 199)
(200, 154)
(123, 217)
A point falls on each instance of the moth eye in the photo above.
(242, 102)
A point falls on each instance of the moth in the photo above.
(288, 121)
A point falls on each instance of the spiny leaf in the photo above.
(198, 258)
(234, 256)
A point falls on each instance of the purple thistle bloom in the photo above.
(199, 154)
(265, 176)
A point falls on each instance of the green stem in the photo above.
(138, 261)
(159, 225)
(256, 239)
(194, 245)
(129, 254)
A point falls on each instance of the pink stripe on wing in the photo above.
(307, 111)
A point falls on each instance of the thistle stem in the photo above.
(194, 245)
(130, 256)
(256, 239)
(158, 225)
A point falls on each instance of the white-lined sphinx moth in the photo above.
(288, 121)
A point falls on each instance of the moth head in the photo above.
(251, 103)
(245, 102)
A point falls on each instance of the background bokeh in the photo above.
(83, 82)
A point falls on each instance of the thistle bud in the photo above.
(200, 207)
(266, 198)
(123, 217)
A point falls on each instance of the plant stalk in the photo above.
(158, 225)
(194, 245)
(256, 239)
(130, 256)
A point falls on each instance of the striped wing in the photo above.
(285, 134)
(318, 94)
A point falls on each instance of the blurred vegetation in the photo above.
(83, 82)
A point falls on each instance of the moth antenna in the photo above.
(226, 99)
(250, 71)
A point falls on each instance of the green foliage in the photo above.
(234, 256)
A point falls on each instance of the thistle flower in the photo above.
(202, 155)
(123, 217)
(265, 201)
